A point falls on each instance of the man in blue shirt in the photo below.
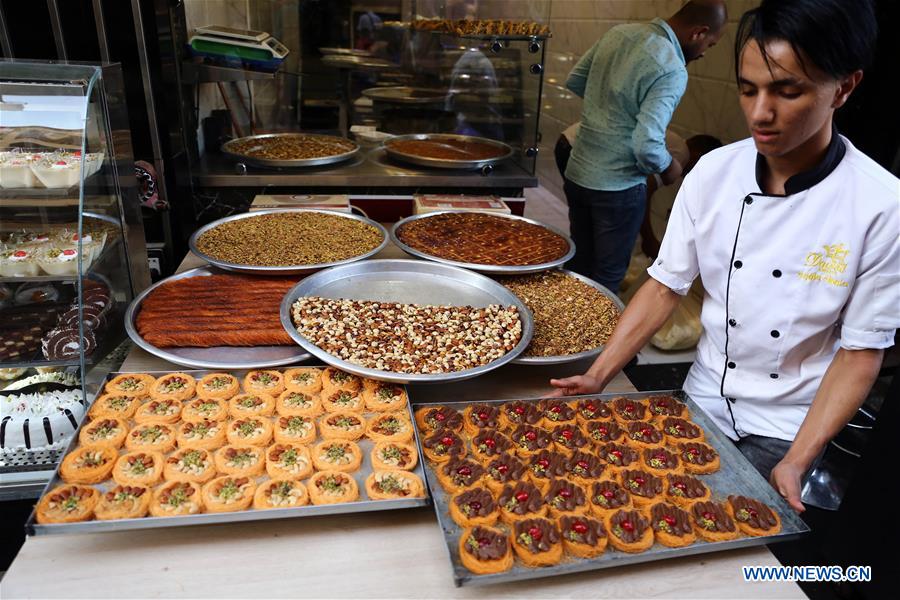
(631, 82)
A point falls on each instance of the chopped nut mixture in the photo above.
(408, 338)
(287, 239)
(292, 147)
(569, 315)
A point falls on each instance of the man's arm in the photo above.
(650, 308)
(577, 80)
(649, 136)
(843, 390)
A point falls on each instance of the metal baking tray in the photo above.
(358, 63)
(289, 269)
(567, 358)
(488, 269)
(297, 162)
(345, 51)
(216, 357)
(407, 281)
(445, 163)
(406, 95)
(32, 527)
(736, 476)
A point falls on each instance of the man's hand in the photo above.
(785, 478)
(672, 172)
(575, 386)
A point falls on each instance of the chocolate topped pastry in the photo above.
(569, 438)
(629, 410)
(529, 440)
(604, 431)
(462, 473)
(477, 502)
(609, 495)
(444, 443)
(546, 465)
(644, 433)
(536, 535)
(588, 410)
(520, 413)
(618, 455)
(671, 525)
(683, 489)
(659, 459)
(565, 497)
(557, 411)
(642, 484)
(521, 499)
(487, 544)
(440, 417)
(582, 530)
(753, 513)
(711, 518)
(504, 469)
(666, 406)
(482, 416)
(698, 458)
(489, 444)
(584, 465)
(628, 525)
(680, 429)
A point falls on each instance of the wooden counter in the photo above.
(396, 554)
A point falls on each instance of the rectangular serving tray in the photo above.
(735, 476)
(32, 527)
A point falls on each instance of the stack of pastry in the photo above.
(539, 480)
(180, 445)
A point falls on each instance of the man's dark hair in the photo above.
(837, 36)
(709, 13)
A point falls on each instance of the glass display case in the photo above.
(72, 255)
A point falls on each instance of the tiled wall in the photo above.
(709, 106)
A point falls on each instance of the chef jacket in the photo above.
(789, 279)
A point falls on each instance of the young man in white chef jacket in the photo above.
(795, 235)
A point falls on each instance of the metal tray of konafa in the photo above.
(567, 358)
(406, 95)
(217, 357)
(409, 282)
(735, 476)
(485, 268)
(286, 269)
(503, 151)
(228, 148)
(364, 504)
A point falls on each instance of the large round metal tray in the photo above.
(442, 163)
(298, 162)
(286, 270)
(217, 357)
(345, 51)
(357, 63)
(491, 269)
(567, 358)
(402, 94)
(408, 281)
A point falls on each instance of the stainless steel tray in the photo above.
(736, 476)
(32, 527)
(345, 51)
(489, 269)
(358, 63)
(290, 269)
(444, 163)
(406, 95)
(217, 357)
(298, 162)
(567, 358)
(408, 281)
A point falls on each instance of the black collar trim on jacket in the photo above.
(807, 179)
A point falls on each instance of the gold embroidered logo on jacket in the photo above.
(823, 266)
